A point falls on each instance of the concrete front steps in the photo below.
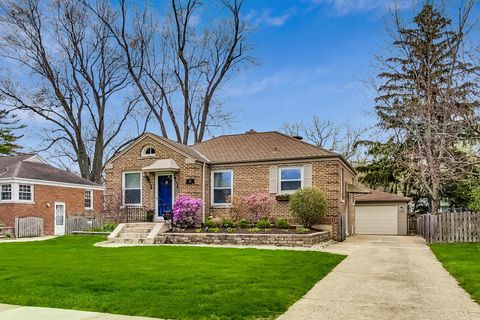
(138, 233)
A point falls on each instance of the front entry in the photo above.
(59, 212)
(164, 194)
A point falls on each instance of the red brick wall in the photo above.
(326, 175)
(248, 178)
(131, 160)
(43, 206)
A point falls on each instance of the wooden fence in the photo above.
(450, 227)
(80, 223)
(28, 227)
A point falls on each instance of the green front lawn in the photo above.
(462, 260)
(166, 282)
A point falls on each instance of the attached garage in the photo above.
(381, 213)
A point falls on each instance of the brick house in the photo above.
(152, 170)
(30, 187)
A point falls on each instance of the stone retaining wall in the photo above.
(281, 240)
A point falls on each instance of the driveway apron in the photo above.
(385, 277)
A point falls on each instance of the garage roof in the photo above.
(380, 196)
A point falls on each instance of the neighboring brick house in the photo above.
(152, 170)
(30, 187)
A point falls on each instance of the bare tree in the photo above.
(180, 65)
(428, 98)
(342, 139)
(76, 74)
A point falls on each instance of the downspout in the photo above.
(203, 193)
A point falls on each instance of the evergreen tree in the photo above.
(427, 100)
(8, 125)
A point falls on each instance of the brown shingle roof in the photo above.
(19, 166)
(257, 146)
(380, 196)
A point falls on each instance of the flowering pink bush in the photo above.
(259, 206)
(186, 211)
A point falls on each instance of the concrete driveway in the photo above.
(385, 277)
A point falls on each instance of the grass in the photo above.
(165, 282)
(462, 260)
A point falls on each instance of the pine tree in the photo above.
(427, 100)
(8, 125)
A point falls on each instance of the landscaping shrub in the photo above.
(186, 211)
(244, 223)
(308, 206)
(227, 223)
(209, 223)
(302, 230)
(239, 210)
(263, 224)
(282, 224)
(109, 227)
(259, 206)
(213, 223)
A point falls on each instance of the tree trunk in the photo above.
(435, 202)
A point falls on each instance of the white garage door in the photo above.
(376, 220)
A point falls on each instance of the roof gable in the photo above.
(176, 146)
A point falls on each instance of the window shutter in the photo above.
(273, 179)
(307, 176)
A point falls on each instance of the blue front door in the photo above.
(164, 195)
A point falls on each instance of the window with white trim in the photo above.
(89, 199)
(6, 192)
(132, 188)
(148, 151)
(25, 192)
(290, 179)
(222, 182)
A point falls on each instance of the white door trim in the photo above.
(59, 230)
(157, 174)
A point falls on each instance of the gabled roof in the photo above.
(251, 146)
(380, 196)
(30, 166)
(258, 146)
(179, 147)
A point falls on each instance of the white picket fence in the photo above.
(80, 223)
(28, 227)
(450, 227)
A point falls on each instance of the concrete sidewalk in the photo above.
(385, 277)
(11, 312)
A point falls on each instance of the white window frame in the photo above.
(144, 150)
(11, 192)
(91, 199)
(212, 189)
(123, 188)
(342, 185)
(280, 191)
(32, 193)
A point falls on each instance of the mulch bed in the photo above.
(243, 231)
